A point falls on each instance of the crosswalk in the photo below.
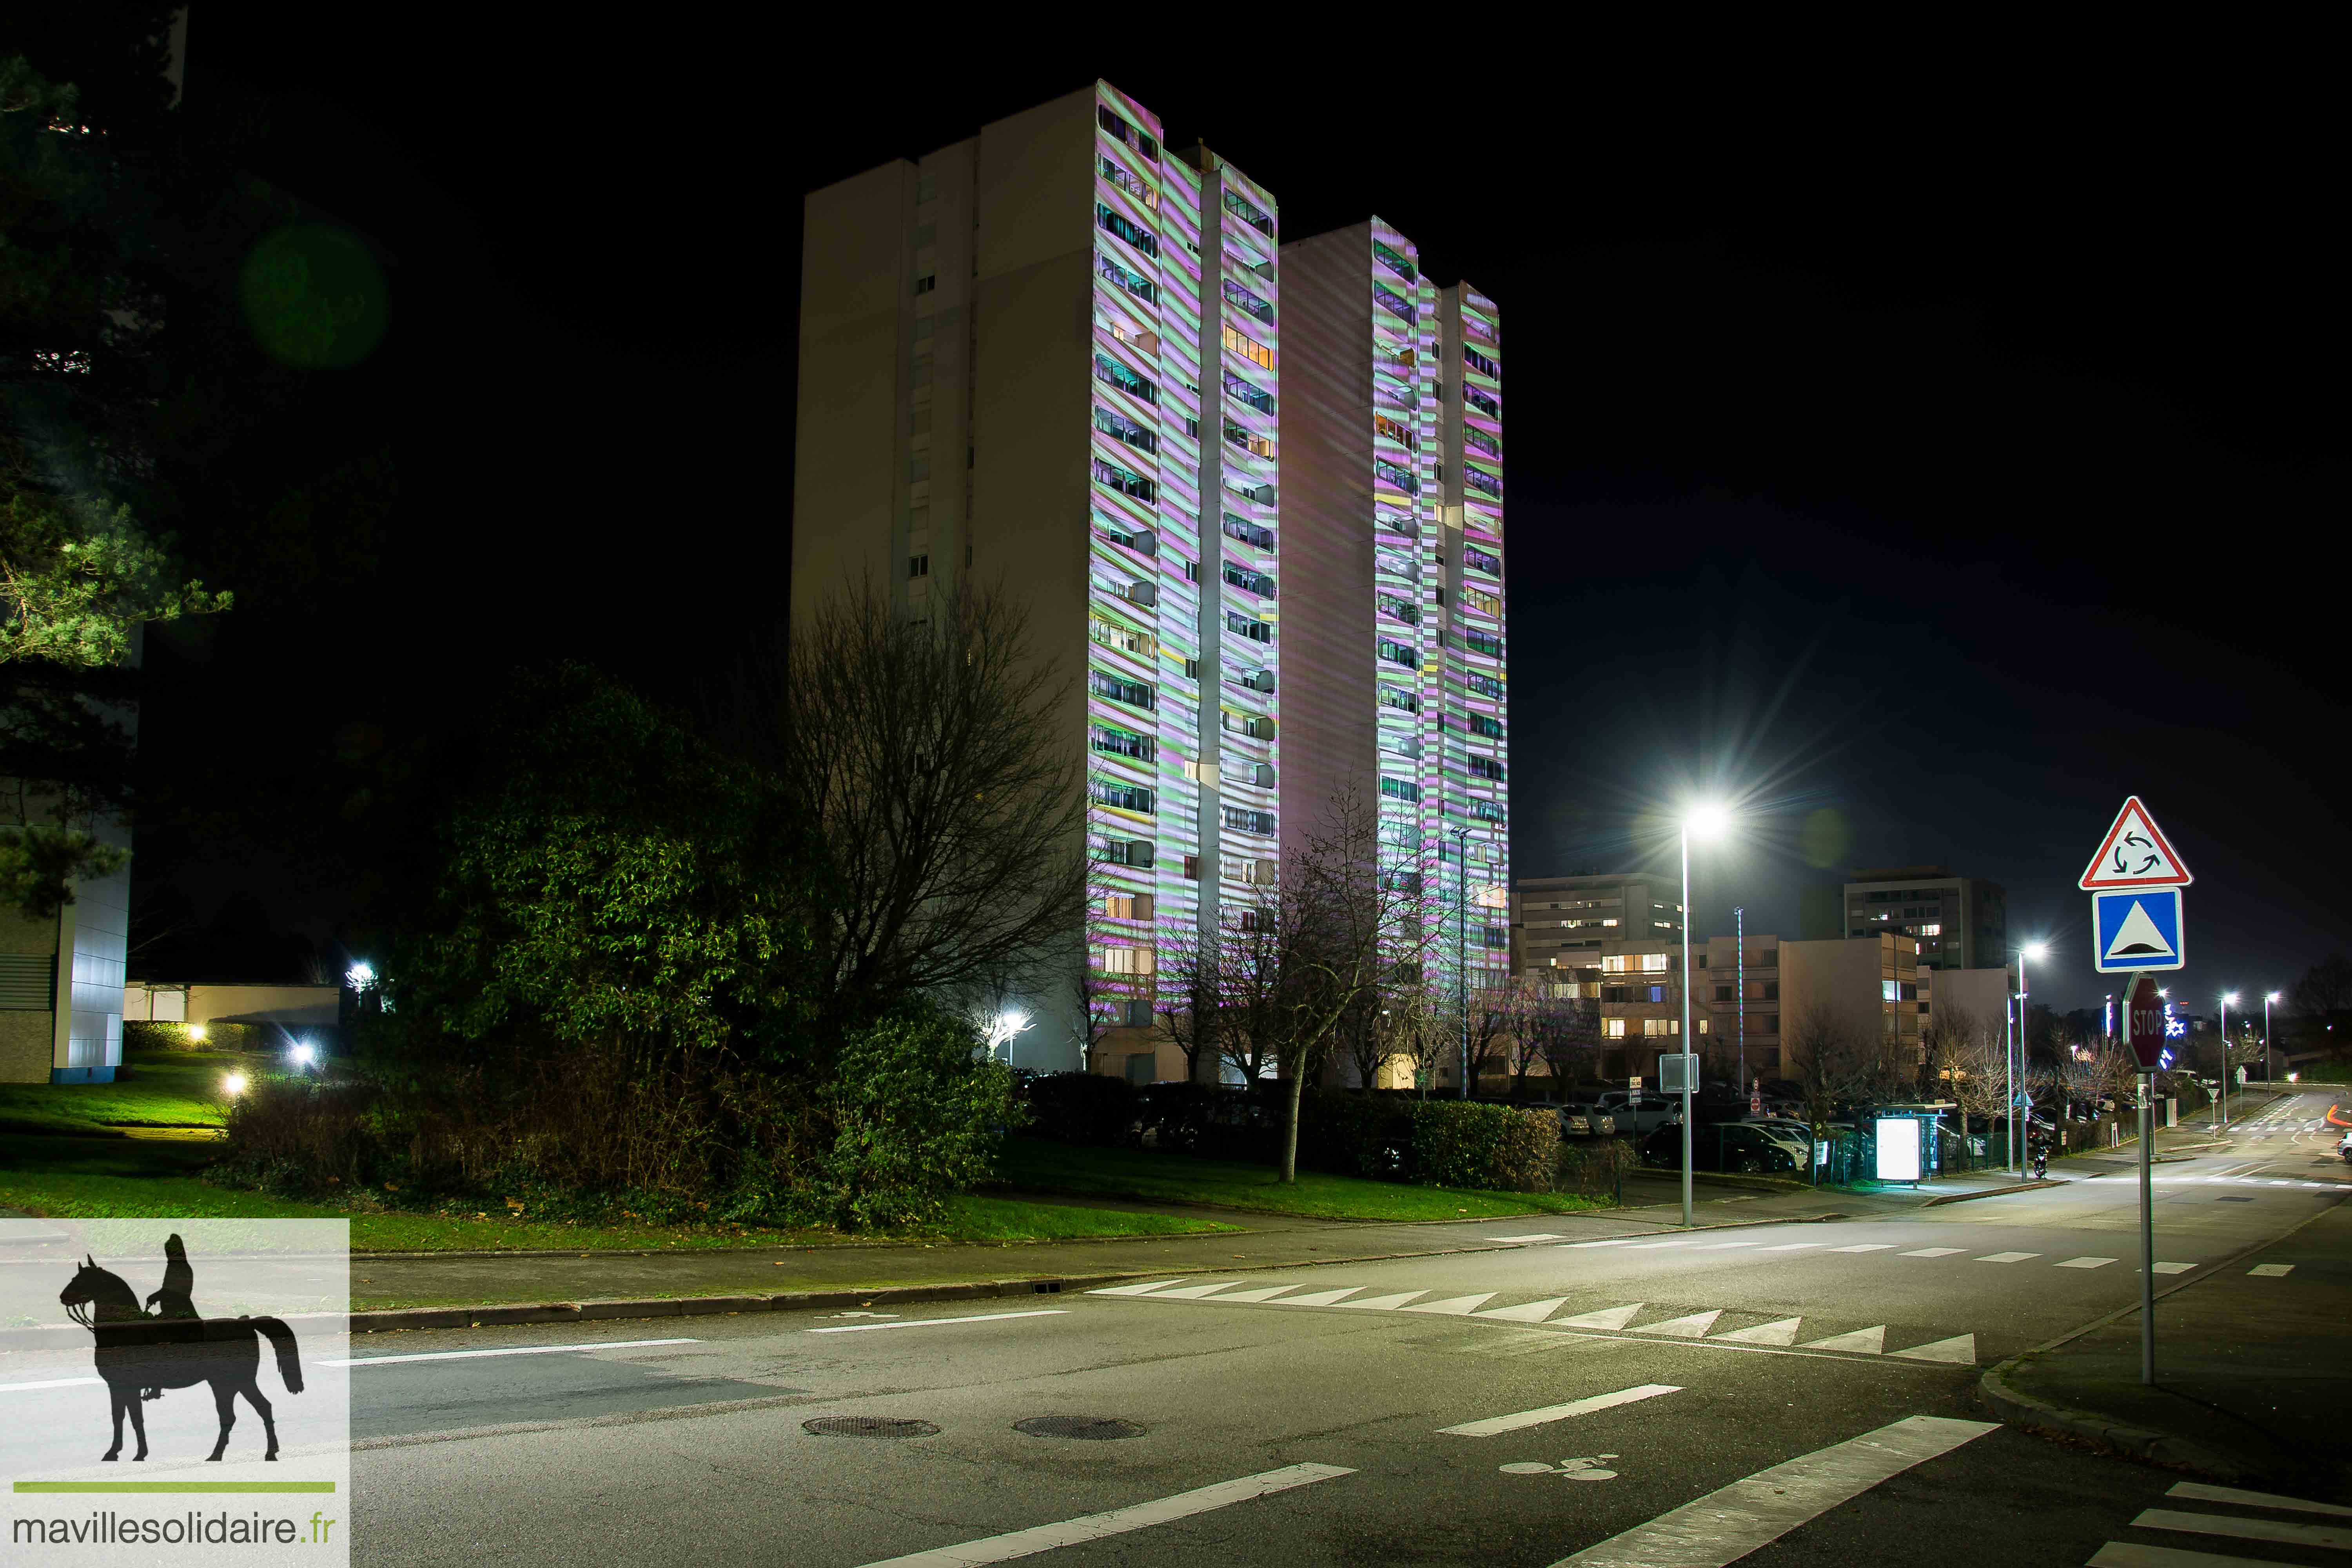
(1762, 1248)
(2273, 1520)
(1631, 1318)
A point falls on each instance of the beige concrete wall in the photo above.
(26, 1043)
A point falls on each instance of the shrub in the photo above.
(1354, 1134)
(916, 1114)
(1079, 1107)
(1459, 1144)
(1592, 1166)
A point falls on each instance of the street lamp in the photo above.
(2268, 998)
(2227, 998)
(2015, 1066)
(1709, 823)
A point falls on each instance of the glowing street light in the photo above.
(233, 1085)
(198, 1033)
(1707, 823)
(2268, 997)
(2014, 1066)
(360, 975)
(303, 1054)
(1003, 1027)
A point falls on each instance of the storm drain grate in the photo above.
(2233, 1200)
(869, 1426)
(1092, 1428)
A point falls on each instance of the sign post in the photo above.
(1679, 1070)
(2135, 882)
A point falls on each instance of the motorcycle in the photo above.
(2040, 1162)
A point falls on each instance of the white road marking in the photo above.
(1384, 1304)
(52, 1383)
(1655, 1246)
(1867, 1246)
(1454, 1306)
(1540, 1236)
(1319, 1299)
(1525, 1312)
(2198, 1491)
(1131, 1290)
(2174, 1267)
(1694, 1327)
(1194, 1292)
(1607, 1318)
(2334, 1536)
(2271, 1271)
(1783, 1332)
(938, 1323)
(1727, 1524)
(513, 1349)
(1931, 1252)
(1493, 1424)
(1726, 1246)
(2084, 1263)
(2007, 1256)
(1262, 1294)
(1864, 1341)
(1959, 1350)
(1117, 1521)
(1795, 1246)
(1613, 1241)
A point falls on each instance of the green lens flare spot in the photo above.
(315, 297)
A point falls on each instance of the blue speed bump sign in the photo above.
(2136, 929)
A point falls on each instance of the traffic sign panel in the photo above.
(2144, 1022)
(2136, 930)
(2134, 855)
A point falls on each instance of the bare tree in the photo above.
(1835, 1061)
(1493, 1014)
(1968, 1058)
(1255, 977)
(1519, 1000)
(1564, 1030)
(1189, 997)
(946, 819)
(1424, 1032)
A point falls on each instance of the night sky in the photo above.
(1926, 465)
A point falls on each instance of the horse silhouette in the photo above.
(136, 1351)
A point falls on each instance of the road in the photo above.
(1516, 1406)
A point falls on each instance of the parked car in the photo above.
(1730, 1146)
(1639, 1113)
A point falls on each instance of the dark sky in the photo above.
(1926, 462)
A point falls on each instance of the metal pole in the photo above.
(2266, 1038)
(2008, 1080)
(2025, 1106)
(1739, 969)
(2147, 1216)
(2224, 1101)
(1686, 1028)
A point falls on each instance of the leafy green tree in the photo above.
(918, 1112)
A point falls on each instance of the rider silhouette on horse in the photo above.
(177, 1296)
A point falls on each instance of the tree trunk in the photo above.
(1290, 1129)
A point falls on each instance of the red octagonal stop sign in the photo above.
(2144, 1022)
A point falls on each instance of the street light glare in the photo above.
(234, 1084)
(2037, 951)
(2272, 996)
(1706, 822)
(2232, 998)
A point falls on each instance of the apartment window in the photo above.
(1477, 559)
(1259, 446)
(919, 566)
(1120, 796)
(1135, 693)
(1126, 639)
(1485, 811)
(1931, 929)
(1243, 299)
(1125, 482)
(1487, 725)
(1242, 208)
(1481, 363)
(1397, 653)
(1397, 789)
(1498, 938)
(1248, 533)
(1129, 183)
(1127, 960)
(1128, 851)
(1655, 1026)
(1112, 422)
(1654, 962)
(1482, 403)
(1888, 991)
(1397, 697)
(1396, 476)
(1246, 626)
(1409, 613)
(1132, 135)
(1124, 743)
(1394, 304)
(1240, 819)
(927, 282)
(1395, 431)
(1111, 370)
(1723, 993)
(1140, 287)
(1612, 1028)
(1478, 641)
(1485, 685)
(1403, 527)
(1115, 224)
(1255, 396)
(918, 467)
(1484, 602)
(1249, 348)
(1393, 262)
(1486, 768)
(927, 188)
(1191, 868)
(1241, 577)
(1478, 479)
(1474, 436)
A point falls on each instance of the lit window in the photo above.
(1612, 1028)
(1931, 929)
(1654, 962)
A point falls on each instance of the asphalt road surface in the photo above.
(1780, 1395)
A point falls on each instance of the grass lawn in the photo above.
(166, 1088)
(91, 1178)
(1039, 1165)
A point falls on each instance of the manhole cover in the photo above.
(1093, 1429)
(869, 1426)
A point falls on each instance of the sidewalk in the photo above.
(2253, 1372)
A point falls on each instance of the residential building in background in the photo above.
(1958, 922)
(61, 982)
(1393, 620)
(1615, 940)
(1095, 326)
(1869, 986)
(1741, 992)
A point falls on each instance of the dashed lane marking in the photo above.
(2174, 1267)
(1867, 1246)
(2271, 1271)
(2279, 1532)
(2084, 1263)
(1933, 1252)
(1526, 1418)
(2007, 1256)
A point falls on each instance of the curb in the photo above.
(396, 1320)
(2104, 1432)
(1988, 1193)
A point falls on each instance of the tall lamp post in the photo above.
(2268, 997)
(1739, 979)
(2017, 1116)
(1461, 944)
(1708, 822)
(2223, 1103)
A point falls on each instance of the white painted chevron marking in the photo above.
(1528, 1312)
(1795, 1246)
(1452, 1306)
(1131, 1290)
(1960, 1350)
(1194, 1292)
(1868, 1342)
(1540, 1236)
(1319, 1299)
(1867, 1246)
(1694, 1327)
(1783, 1332)
(1262, 1294)
(1384, 1304)
(1607, 1318)
(1933, 1252)
(1526, 1418)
